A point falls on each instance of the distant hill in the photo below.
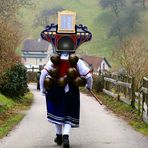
(90, 14)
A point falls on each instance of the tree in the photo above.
(10, 34)
(9, 8)
(115, 5)
(139, 2)
(124, 25)
(43, 19)
(133, 57)
(9, 40)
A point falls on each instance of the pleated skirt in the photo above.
(63, 108)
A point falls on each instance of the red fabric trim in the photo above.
(46, 70)
(87, 73)
(63, 68)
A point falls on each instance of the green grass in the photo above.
(140, 126)
(89, 13)
(10, 112)
(6, 103)
(25, 101)
(9, 124)
(124, 111)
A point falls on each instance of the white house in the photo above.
(99, 64)
(35, 52)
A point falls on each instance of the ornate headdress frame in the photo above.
(66, 22)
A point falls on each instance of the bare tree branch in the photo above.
(134, 59)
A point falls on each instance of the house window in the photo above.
(40, 60)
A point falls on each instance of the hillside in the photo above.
(89, 13)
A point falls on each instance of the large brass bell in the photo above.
(48, 82)
(72, 72)
(62, 81)
(53, 72)
(79, 81)
(55, 59)
(73, 59)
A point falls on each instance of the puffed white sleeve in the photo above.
(85, 71)
(44, 73)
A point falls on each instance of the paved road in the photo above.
(99, 128)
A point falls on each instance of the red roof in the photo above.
(94, 61)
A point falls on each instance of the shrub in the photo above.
(98, 83)
(15, 81)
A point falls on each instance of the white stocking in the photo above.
(66, 129)
(58, 129)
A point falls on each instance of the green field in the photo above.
(89, 13)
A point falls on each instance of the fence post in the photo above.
(104, 82)
(146, 99)
(133, 92)
(32, 68)
(138, 104)
(118, 89)
(143, 99)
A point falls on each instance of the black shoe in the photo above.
(66, 141)
(58, 139)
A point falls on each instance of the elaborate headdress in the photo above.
(66, 35)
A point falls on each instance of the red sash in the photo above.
(63, 68)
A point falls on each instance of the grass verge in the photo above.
(124, 111)
(9, 124)
(11, 112)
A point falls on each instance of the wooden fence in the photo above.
(144, 97)
(123, 88)
(33, 69)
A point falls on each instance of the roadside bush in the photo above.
(98, 83)
(15, 81)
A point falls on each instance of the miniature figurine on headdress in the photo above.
(64, 73)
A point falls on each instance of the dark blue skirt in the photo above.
(63, 108)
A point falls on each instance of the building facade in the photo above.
(99, 64)
(35, 52)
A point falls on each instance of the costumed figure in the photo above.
(63, 74)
